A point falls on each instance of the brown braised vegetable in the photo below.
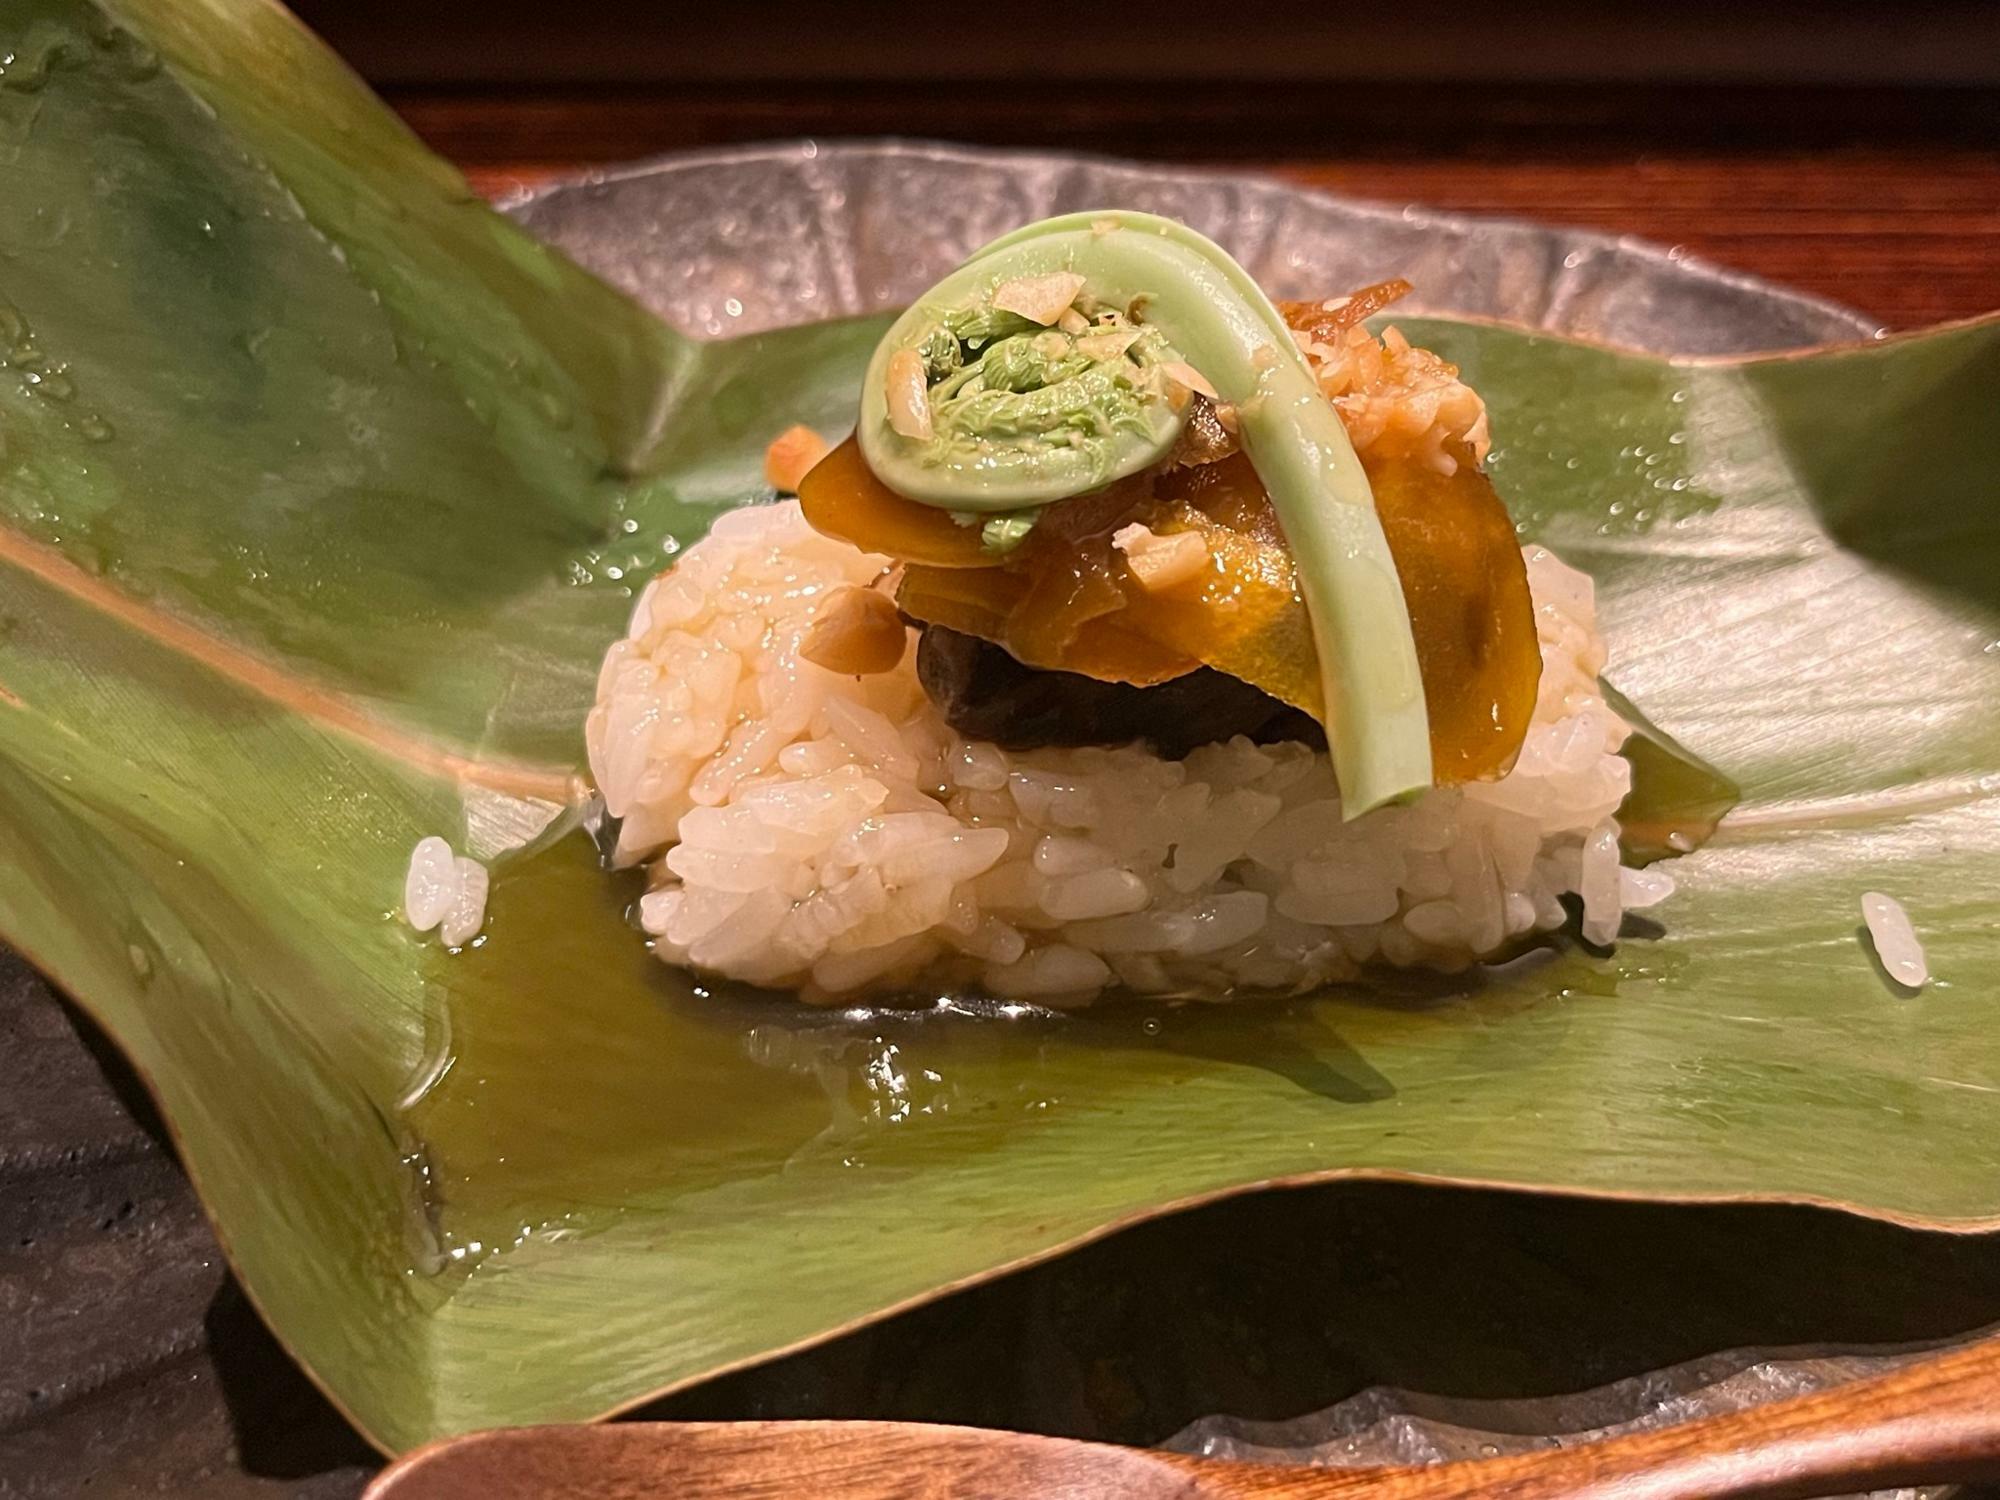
(1328, 320)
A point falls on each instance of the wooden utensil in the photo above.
(1931, 1422)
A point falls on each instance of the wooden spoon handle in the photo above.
(1928, 1423)
(1932, 1422)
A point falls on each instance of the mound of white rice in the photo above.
(833, 835)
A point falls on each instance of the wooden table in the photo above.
(1887, 200)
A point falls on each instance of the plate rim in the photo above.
(796, 150)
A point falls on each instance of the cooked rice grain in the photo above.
(833, 835)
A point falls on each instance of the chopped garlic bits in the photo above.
(1040, 299)
(1161, 562)
(791, 457)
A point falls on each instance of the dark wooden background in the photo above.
(1851, 149)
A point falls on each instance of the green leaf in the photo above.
(321, 492)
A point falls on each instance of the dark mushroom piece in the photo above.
(986, 694)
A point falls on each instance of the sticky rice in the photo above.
(833, 835)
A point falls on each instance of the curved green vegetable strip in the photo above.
(1212, 315)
